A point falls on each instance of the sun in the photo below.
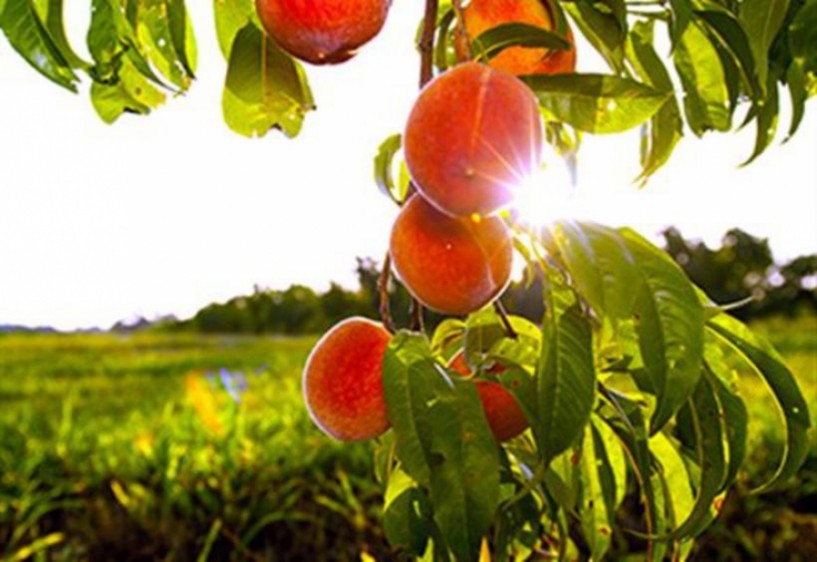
(545, 197)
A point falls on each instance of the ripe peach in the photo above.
(451, 265)
(343, 383)
(322, 31)
(481, 15)
(473, 136)
(505, 416)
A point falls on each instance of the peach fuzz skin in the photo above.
(504, 415)
(343, 380)
(481, 15)
(452, 265)
(322, 31)
(473, 136)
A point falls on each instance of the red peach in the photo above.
(322, 31)
(473, 136)
(451, 265)
(343, 380)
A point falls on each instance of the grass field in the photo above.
(183, 447)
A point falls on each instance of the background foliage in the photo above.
(123, 446)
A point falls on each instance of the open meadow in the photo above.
(190, 447)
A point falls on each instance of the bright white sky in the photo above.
(167, 213)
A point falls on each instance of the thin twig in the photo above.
(426, 44)
(503, 315)
(383, 289)
(416, 314)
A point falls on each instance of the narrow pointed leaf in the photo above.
(495, 40)
(706, 97)
(602, 28)
(596, 518)
(762, 20)
(27, 34)
(383, 169)
(803, 37)
(600, 264)
(765, 360)
(767, 116)
(670, 327)
(566, 376)
(678, 491)
(665, 128)
(705, 414)
(596, 103)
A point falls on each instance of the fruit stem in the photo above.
(416, 314)
(426, 43)
(383, 288)
(503, 315)
(459, 29)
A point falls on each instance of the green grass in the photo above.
(123, 448)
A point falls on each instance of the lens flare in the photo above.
(546, 197)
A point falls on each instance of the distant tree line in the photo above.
(742, 267)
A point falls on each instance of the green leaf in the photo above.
(705, 416)
(383, 169)
(803, 37)
(735, 423)
(182, 37)
(625, 418)
(496, 39)
(596, 517)
(51, 14)
(111, 39)
(27, 34)
(665, 127)
(231, 17)
(444, 52)
(613, 465)
(487, 339)
(596, 103)
(602, 25)
(732, 36)
(764, 359)
(762, 19)
(406, 366)
(706, 96)
(403, 514)
(265, 87)
(600, 265)
(566, 376)
(132, 93)
(797, 90)
(464, 467)
(678, 493)
(443, 441)
(165, 38)
(670, 326)
(766, 119)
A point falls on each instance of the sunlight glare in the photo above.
(545, 197)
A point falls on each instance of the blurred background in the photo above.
(163, 280)
(188, 439)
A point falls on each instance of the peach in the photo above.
(473, 136)
(451, 265)
(504, 415)
(343, 382)
(322, 31)
(481, 15)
